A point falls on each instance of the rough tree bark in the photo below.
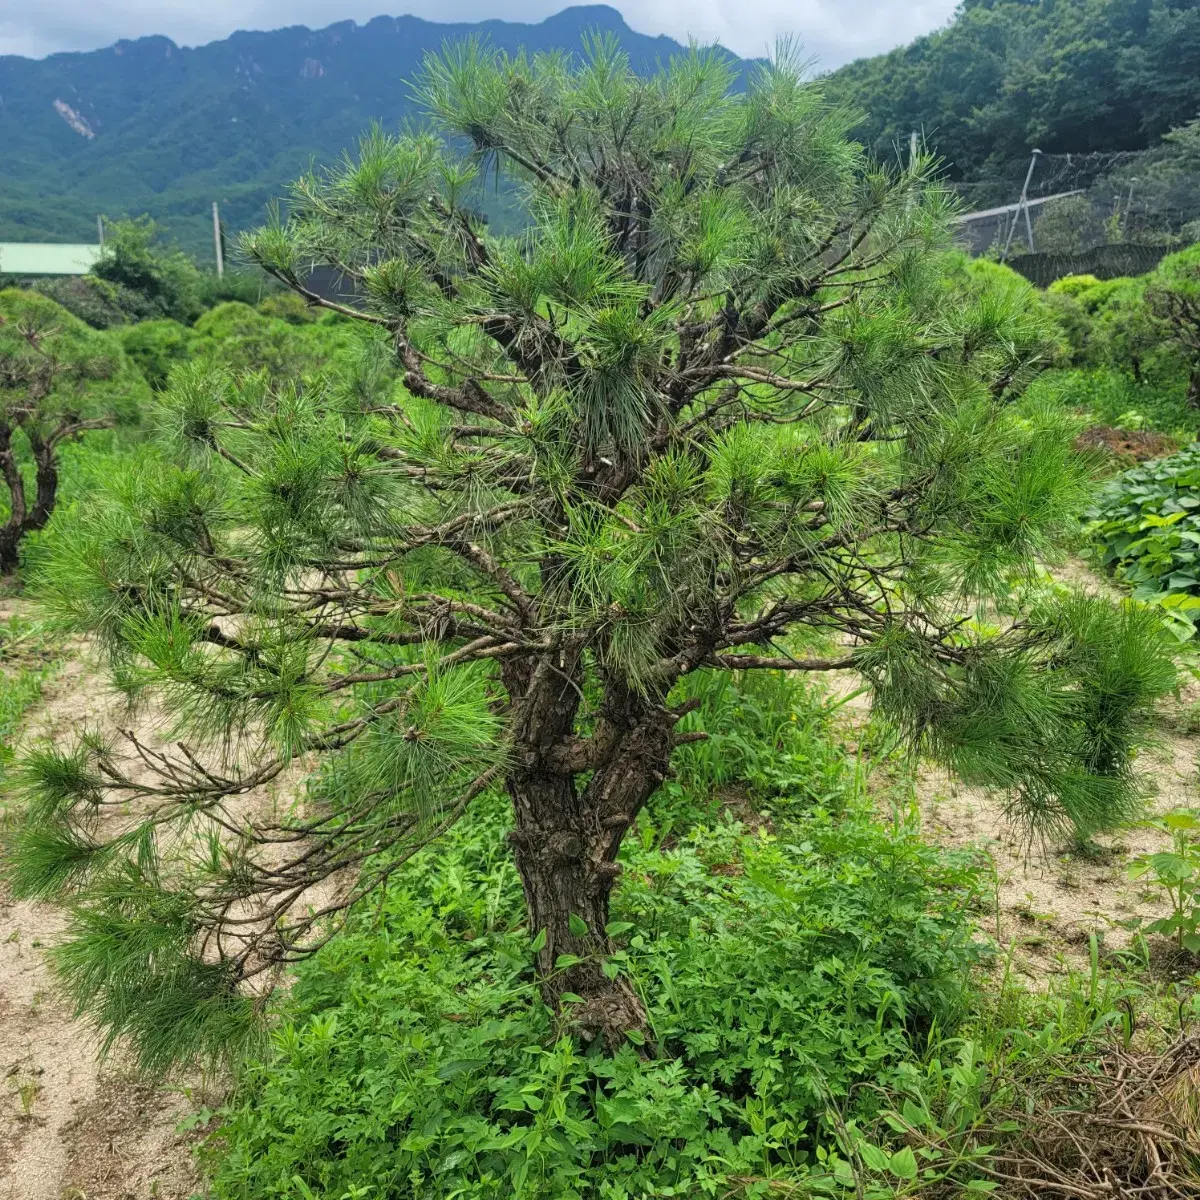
(22, 519)
(567, 834)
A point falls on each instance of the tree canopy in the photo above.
(720, 409)
(58, 379)
(1005, 76)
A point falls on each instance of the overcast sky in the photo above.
(833, 31)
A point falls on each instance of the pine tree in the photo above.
(717, 409)
(50, 366)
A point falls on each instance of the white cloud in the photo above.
(833, 31)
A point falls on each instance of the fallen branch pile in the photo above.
(1136, 1133)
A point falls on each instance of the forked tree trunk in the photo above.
(23, 519)
(565, 843)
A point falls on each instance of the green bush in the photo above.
(152, 280)
(415, 1058)
(102, 379)
(94, 301)
(289, 307)
(1072, 285)
(1147, 328)
(241, 338)
(60, 382)
(1146, 529)
(156, 346)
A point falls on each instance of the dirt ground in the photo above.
(69, 1128)
(73, 1130)
(1050, 899)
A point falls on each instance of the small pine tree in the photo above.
(717, 409)
(56, 383)
(1173, 299)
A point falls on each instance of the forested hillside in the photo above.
(1006, 75)
(148, 126)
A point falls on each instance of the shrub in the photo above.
(58, 380)
(94, 301)
(1173, 301)
(156, 346)
(1147, 327)
(1146, 527)
(1072, 285)
(289, 307)
(240, 338)
(152, 280)
(416, 1059)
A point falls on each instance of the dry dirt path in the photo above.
(1049, 899)
(69, 1128)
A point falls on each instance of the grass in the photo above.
(28, 658)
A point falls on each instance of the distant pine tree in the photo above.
(58, 379)
(719, 410)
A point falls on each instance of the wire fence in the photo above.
(1104, 214)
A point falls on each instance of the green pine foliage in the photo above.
(59, 381)
(718, 409)
(96, 373)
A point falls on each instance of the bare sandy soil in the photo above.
(1050, 899)
(71, 1129)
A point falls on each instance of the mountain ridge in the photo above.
(145, 125)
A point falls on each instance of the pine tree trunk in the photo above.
(565, 843)
(46, 496)
(10, 557)
(562, 853)
(10, 532)
(1193, 391)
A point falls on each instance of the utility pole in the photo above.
(1022, 206)
(912, 149)
(100, 227)
(1128, 208)
(217, 242)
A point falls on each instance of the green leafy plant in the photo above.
(1176, 873)
(779, 971)
(1146, 529)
